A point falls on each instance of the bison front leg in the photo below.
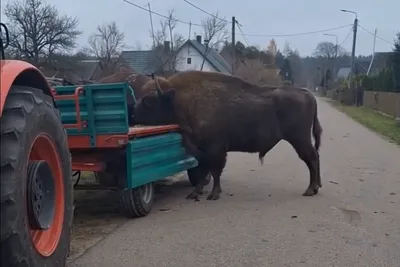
(200, 173)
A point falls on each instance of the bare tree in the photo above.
(327, 50)
(272, 48)
(215, 33)
(160, 35)
(38, 31)
(106, 45)
(166, 44)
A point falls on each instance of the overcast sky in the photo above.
(260, 17)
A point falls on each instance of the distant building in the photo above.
(380, 61)
(191, 54)
(140, 61)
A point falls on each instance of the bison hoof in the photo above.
(310, 192)
(214, 195)
(193, 195)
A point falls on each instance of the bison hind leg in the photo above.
(307, 152)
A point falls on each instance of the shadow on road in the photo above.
(96, 213)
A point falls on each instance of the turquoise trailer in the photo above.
(129, 159)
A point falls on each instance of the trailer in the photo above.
(49, 133)
(129, 159)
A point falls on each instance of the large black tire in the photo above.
(193, 176)
(135, 203)
(28, 112)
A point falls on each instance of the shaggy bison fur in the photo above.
(218, 113)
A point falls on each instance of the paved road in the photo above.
(262, 219)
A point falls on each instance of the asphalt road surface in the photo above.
(262, 219)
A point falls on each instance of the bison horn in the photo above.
(158, 88)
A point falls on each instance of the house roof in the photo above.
(140, 61)
(87, 68)
(213, 57)
(343, 73)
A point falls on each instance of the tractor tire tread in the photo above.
(22, 103)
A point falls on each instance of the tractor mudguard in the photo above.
(16, 72)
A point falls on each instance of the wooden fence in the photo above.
(385, 102)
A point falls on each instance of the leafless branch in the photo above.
(37, 30)
(167, 42)
(215, 33)
(106, 45)
(328, 50)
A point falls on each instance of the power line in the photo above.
(375, 35)
(347, 37)
(208, 13)
(160, 15)
(244, 36)
(267, 35)
(301, 33)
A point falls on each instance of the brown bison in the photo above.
(218, 113)
(135, 81)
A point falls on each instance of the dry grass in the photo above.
(255, 72)
(379, 123)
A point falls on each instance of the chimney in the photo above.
(166, 46)
(198, 38)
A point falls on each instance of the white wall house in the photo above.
(190, 57)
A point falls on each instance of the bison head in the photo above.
(156, 109)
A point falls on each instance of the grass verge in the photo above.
(379, 123)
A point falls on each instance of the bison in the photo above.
(135, 81)
(218, 113)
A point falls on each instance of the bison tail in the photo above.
(317, 129)
(261, 158)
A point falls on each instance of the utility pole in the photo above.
(373, 53)
(334, 62)
(353, 52)
(151, 23)
(233, 46)
(190, 30)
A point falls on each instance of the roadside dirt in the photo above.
(97, 215)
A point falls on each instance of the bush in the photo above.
(383, 81)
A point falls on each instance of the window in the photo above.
(189, 60)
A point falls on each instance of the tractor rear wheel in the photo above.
(36, 184)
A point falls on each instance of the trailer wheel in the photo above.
(137, 202)
(192, 175)
(36, 184)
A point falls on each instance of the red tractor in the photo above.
(36, 188)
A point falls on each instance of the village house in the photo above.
(189, 56)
